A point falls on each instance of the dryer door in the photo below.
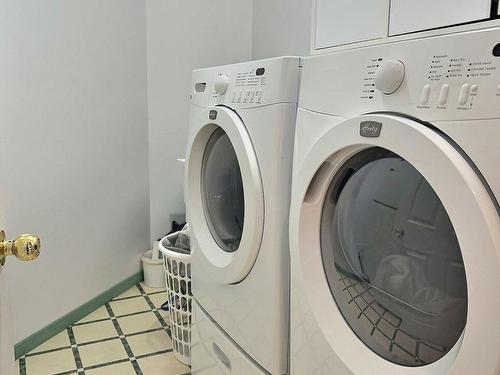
(224, 196)
(407, 236)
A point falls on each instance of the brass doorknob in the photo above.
(25, 247)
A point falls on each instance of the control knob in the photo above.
(221, 83)
(389, 76)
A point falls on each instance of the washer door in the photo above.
(407, 235)
(224, 196)
(392, 259)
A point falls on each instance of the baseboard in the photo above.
(31, 342)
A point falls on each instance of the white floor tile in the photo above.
(50, 363)
(94, 331)
(148, 290)
(139, 322)
(149, 342)
(124, 368)
(129, 305)
(100, 313)
(102, 352)
(58, 341)
(130, 293)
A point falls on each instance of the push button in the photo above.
(443, 94)
(258, 95)
(464, 94)
(473, 89)
(424, 95)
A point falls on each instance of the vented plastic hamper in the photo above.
(177, 265)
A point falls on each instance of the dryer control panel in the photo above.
(247, 85)
(439, 78)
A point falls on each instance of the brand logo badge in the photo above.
(370, 129)
(212, 115)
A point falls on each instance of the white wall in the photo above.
(183, 35)
(281, 27)
(73, 139)
(74, 128)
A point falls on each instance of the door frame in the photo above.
(471, 211)
(7, 361)
(6, 339)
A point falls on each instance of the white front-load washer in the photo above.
(394, 217)
(238, 182)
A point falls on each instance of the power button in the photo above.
(464, 94)
(443, 94)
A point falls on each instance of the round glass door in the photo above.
(392, 259)
(222, 191)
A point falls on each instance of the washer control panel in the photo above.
(447, 77)
(463, 73)
(247, 85)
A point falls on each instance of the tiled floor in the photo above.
(128, 335)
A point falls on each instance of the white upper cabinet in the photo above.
(346, 21)
(416, 15)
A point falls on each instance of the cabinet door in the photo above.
(415, 15)
(346, 21)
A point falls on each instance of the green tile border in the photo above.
(31, 342)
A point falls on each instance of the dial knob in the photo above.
(221, 83)
(389, 76)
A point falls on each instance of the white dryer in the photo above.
(238, 182)
(394, 218)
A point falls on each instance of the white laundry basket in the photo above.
(177, 266)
